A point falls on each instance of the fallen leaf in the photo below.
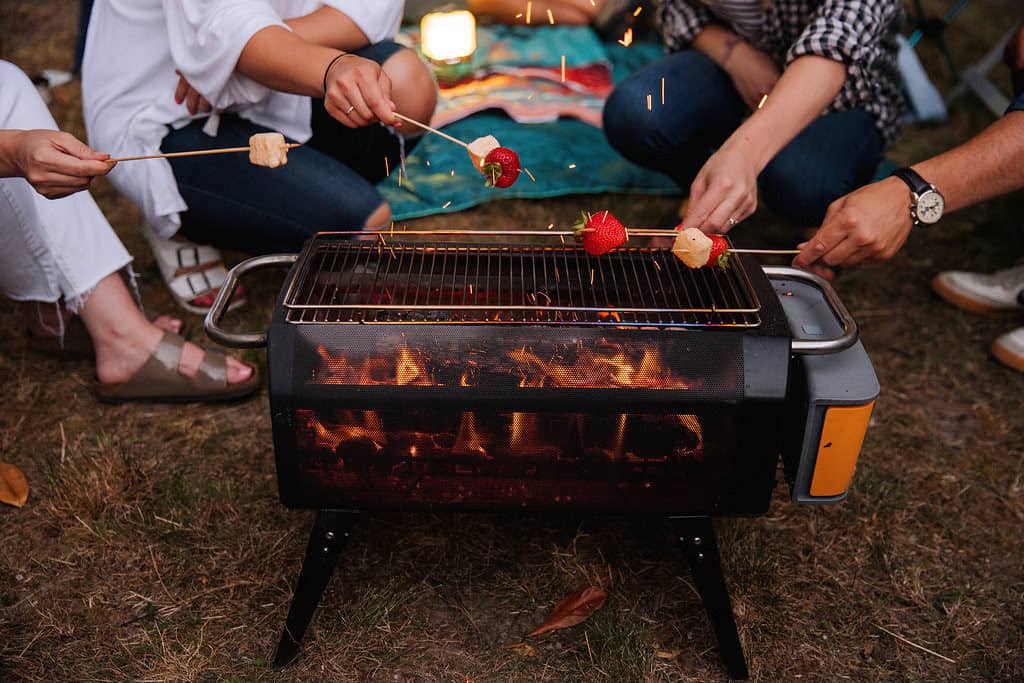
(13, 485)
(523, 649)
(572, 610)
(667, 654)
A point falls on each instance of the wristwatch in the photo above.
(926, 202)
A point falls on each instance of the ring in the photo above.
(732, 221)
(350, 109)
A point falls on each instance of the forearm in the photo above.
(805, 89)
(328, 27)
(283, 60)
(717, 43)
(9, 146)
(986, 166)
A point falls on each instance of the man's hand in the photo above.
(870, 224)
(195, 102)
(56, 164)
(359, 92)
(753, 73)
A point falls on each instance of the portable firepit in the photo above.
(414, 375)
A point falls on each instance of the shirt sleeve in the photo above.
(680, 21)
(379, 20)
(848, 31)
(207, 38)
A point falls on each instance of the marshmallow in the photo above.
(268, 149)
(480, 148)
(692, 247)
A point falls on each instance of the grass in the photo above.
(153, 547)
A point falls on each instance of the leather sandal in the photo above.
(160, 381)
(192, 272)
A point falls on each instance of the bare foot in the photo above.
(168, 323)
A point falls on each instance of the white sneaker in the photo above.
(1009, 349)
(999, 292)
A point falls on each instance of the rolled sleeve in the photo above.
(207, 38)
(846, 30)
(681, 21)
(377, 20)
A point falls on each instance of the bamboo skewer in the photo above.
(194, 153)
(435, 131)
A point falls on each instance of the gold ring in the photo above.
(350, 109)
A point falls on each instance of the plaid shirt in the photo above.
(859, 33)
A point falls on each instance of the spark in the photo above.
(428, 163)
(399, 177)
(387, 167)
(562, 237)
(550, 225)
(591, 277)
(637, 11)
(563, 68)
(558, 277)
(529, 11)
(648, 101)
(447, 204)
(452, 173)
(572, 165)
(627, 38)
(662, 92)
(551, 18)
(527, 172)
(656, 266)
(519, 15)
(592, 3)
(764, 98)
(471, 289)
(530, 96)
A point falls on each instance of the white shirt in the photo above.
(132, 50)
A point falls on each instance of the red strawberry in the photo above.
(501, 167)
(719, 255)
(600, 232)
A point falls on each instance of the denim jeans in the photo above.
(834, 155)
(328, 183)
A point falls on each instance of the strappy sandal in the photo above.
(159, 380)
(192, 272)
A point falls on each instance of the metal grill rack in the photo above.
(341, 281)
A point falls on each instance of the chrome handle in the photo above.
(216, 313)
(820, 346)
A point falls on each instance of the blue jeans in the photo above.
(833, 156)
(328, 183)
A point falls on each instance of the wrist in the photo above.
(330, 66)
(11, 142)
(729, 47)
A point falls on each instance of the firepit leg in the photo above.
(698, 538)
(329, 535)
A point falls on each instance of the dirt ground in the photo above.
(153, 546)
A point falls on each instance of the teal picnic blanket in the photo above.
(564, 156)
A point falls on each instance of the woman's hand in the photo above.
(358, 92)
(195, 102)
(724, 191)
(56, 164)
(753, 73)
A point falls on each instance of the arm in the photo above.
(329, 27)
(872, 223)
(753, 72)
(56, 164)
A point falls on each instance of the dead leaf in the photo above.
(667, 654)
(571, 611)
(13, 485)
(523, 649)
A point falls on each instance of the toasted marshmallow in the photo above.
(268, 149)
(692, 247)
(480, 148)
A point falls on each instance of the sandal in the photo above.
(192, 272)
(158, 380)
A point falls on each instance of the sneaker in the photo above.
(1000, 292)
(1009, 349)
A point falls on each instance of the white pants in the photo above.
(51, 249)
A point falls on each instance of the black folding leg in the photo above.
(329, 535)
(698, 538)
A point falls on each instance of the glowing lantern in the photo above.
(448, 37)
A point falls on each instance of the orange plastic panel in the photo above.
(842, 435)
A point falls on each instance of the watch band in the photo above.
(914, 181)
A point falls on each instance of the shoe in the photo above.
(158, 380)
(192, 272)
(988, 294)
(1009, 349)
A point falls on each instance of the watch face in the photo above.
(930, 206)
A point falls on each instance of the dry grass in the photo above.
(153, 547)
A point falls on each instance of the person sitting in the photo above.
(61, 256)
(738, 104)
(873, 223)
(159, 75)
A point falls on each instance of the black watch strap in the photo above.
(915, 182)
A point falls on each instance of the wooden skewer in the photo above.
(195, 153)
(435, 131)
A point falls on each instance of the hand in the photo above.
(57, 164)
(870, 224)
(359, 93)
(724, 191)
(753, 73)
(195, 102)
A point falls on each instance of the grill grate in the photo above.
(342, 281)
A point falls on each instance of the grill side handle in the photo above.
(820, 346)
(240, 340)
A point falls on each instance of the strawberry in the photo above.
(600, 232)
(719, 255)
(501, 167)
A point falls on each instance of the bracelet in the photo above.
(331, 64)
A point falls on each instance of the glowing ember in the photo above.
(551, 18)
(529, 11)
(627, 38)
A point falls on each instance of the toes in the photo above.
(238, 371)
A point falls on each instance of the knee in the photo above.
(380, 218)
(412, 86)
(800, 196)
(628, 125)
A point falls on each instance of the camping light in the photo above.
(448, 37)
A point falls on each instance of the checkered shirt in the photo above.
(859, 33)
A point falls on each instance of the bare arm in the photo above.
(329, 28)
